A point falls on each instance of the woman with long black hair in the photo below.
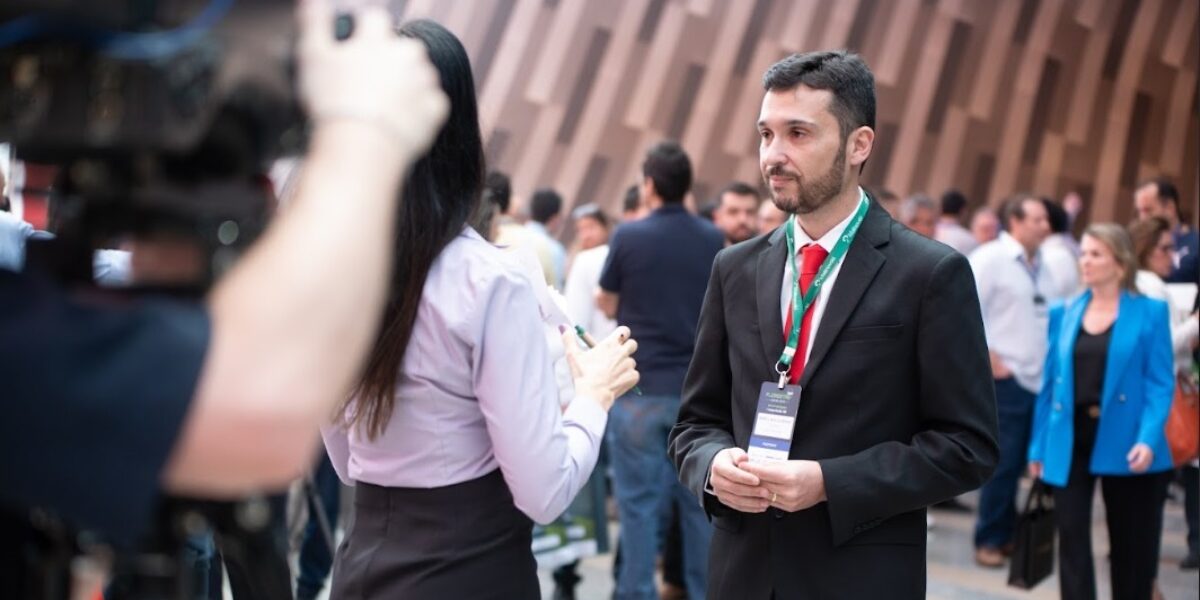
(454, 438)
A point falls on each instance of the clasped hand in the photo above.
(752, 487)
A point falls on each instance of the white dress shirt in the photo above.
(802, 239)
(953, 234)
(477, 392)
(1015, 325)
(1063, 265)
(583, 281)
(827, 241)
(1183, 327)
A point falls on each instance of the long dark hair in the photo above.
(440, 194)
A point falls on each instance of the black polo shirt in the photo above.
(660, 266)
(94, 396)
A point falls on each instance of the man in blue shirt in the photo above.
(1159, 198)
(654, 283)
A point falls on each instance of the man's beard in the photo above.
(810, 195)
(740, 234)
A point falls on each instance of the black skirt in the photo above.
(461, 541)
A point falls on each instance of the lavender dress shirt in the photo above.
(477, 392)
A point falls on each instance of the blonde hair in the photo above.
(1117, 240)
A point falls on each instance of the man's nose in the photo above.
(772, 154)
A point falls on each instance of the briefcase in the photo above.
(1033, 554)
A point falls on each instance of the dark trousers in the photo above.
(316, 556)
(1133, 506)
(672, 549)
(1191, 508)
(257, 566)
(997, 498)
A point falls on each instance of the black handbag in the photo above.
(1033, 555)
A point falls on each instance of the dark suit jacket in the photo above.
(897, 406)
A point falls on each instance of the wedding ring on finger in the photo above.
(774, 496)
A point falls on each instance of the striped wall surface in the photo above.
(988, 96)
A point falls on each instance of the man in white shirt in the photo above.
(1060, 251)
(949, 228)
(985, 226)
(583, 279)
(1015, 291)
(919, 213)
(545, 216)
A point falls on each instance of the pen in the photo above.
(591, 343)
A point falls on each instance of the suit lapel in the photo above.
(769, 283)
(862, 262)
(1120, 345)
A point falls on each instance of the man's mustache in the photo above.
(778, 171)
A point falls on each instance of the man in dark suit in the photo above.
(896, 408)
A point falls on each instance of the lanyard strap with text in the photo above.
(801, 303)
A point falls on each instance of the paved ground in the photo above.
(953, 574)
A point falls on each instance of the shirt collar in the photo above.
(1014, 248)
(671, 207)
(827, 241)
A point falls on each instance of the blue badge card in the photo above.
(774, 422)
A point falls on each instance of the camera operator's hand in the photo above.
(294, 319)
(375, 77)
(605, 372)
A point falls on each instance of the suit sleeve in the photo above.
(705, 424)
(1045, 398)
(1160, 376)
(956, 451)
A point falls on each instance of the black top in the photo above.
(659, 267)
(93, 395)
(1091, 356)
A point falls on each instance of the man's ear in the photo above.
(648, 190)
(862, 141)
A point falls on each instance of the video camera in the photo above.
(162, 118)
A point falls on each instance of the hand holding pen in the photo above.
(591, 343)
(607, 370)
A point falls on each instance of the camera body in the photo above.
(162, 116)
(105, 77)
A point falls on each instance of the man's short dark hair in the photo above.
(1165, 187)
(843, 73)
(1014, 208)
(738, 188)
(497, 189)
(545, 204)
(1060, 222)
(953, 203)
(668, 166)
(632, 200)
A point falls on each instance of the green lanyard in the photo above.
(800, 304)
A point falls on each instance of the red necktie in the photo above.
(812, 257)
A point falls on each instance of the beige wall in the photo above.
(989, 96)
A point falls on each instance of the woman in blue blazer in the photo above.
(1101, 414)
